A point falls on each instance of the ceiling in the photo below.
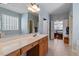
(16, 7)
(65, 8)
(48, 7)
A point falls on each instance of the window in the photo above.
(58, 25)
(10, 22)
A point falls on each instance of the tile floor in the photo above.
(58, 48)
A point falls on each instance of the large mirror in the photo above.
(20, 21)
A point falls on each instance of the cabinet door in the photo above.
(46, 46)
(41, 49)
(43, 46)
(33, 51)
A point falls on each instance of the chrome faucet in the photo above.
(34, 34)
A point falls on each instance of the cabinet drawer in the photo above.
(28, 47)
(15, 53)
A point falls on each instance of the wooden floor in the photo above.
(58, 48)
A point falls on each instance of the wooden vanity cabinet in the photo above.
(28, 47)
(15, 53)
(25, 49)
(43, 46)
(41, 49)
(34, 51)
(46, 45)
(37, 48)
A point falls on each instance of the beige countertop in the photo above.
(8, 45)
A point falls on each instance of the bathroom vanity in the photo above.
(24, 44)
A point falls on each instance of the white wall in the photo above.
(70, 25)
(42, 14)
(75, 29)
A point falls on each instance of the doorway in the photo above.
(58, 29)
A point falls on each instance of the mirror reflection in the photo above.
(14, 22)
(33, 22)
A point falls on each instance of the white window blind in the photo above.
(10, 22)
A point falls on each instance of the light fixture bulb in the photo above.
(34, 8)
(38, 9)
(30, 9)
